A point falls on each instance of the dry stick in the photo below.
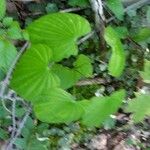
(18, 132)
(26, 0)
(62, 11)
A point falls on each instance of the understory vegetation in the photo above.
(75, 75)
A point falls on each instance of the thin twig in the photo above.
(71, 9)
(86, 37)
(13, 117)
(26, 0)
(91, 81)
(137, 5)
(6, 80)
(18, 132)
(4, 105)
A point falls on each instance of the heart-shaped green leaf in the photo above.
(60, 32)
(100, 108)
(57, 106)
(117, 60)
(33, 73)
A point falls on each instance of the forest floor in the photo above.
(118, 132)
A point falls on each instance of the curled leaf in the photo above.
(117, 60)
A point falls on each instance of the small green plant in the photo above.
(41, 78)
(53, 38)
(50, 75)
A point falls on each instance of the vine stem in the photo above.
(13, 117)
(4, 85)
(6, 81)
